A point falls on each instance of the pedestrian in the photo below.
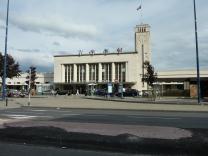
(77, 92)
(52, 92)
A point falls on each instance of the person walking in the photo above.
(77, 92)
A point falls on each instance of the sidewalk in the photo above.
(159, 100)
(11, 104)
(99, 136)
(79, 102)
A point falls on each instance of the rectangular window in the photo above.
(120, 71)
(103, 72)
(93, 72)
(72, 73)
(69, 72)
(97, 72)
(66, 80)
(106, 72)
(81, 72)
(78, 76)
(123, 71)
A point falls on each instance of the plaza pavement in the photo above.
(81, 102)
(134, 131)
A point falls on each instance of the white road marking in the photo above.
(94, 115)
(39, 110)
(71, 114)
(163, 118)
(42, 110)
(16, 116)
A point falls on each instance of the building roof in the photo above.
(85, 54)
(182, 74)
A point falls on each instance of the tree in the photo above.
(150, 76)
(13, 68)
(32, 77)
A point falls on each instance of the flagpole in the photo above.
(197, 55)
(5, 55)
(141, 12)
(139, 9)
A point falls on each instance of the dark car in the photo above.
(63, 92)
(101, 92)
(129, 93)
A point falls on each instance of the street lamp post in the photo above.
(5, 55)
(197, 55)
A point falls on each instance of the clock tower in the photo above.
(142, 42)
(143, 47)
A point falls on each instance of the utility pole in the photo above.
(197, 55)
(29, 88)
(5, 55)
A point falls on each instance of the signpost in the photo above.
(110, 89)
(29, 88)
(5, 55)
(197, 55)
(120, 89)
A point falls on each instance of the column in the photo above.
(100, 72)
(67, 73)
(75, 73)
(62, 73)
(127, 72)
(113, 72)
(87, 72)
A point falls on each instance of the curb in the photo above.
(146, 102)
(136, 110)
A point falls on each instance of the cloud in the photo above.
(28, 50)
(55, 26)
(26, 58)
(56, 43)
(2, 27)
(65, 26)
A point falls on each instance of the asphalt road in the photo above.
(173, 119)
(9, 149)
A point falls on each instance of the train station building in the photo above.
(91, 70)
(96, 70)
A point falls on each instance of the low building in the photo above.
(96, 70)
(44, 82)
(182, 82)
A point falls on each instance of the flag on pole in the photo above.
(140, 7)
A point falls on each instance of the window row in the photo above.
(93, 72)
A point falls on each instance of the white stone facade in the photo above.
(101, 68)
(43, 80)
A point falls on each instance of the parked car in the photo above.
(15, 93)
(63, 92)
(129, 93)
(100, 92)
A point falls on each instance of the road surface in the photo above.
(10, 149)
(154, 118)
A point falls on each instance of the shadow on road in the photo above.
(52, 136)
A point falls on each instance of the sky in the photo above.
(40, 29)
